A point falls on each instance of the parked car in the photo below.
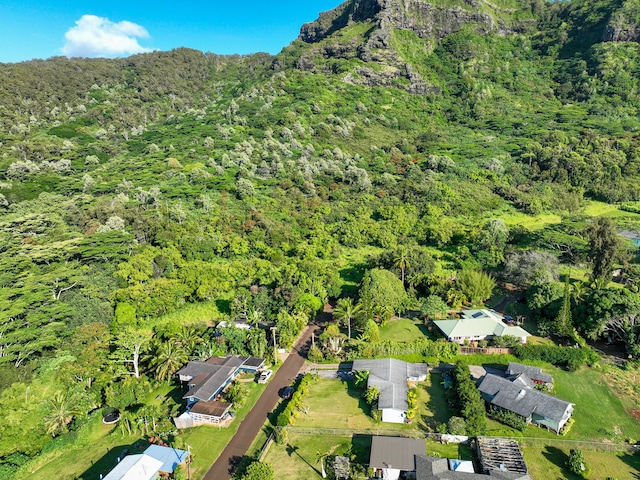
(287, 392)
(265, 375)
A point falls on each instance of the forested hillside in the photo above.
(450, 142)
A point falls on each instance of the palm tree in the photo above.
(61, 412)
(168, 359)
(188, 339)
(254, 317)
(346, 311)
(401, 260)
(320, 457)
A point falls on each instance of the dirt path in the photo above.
(253, 422)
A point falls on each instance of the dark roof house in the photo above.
(530, 404)
(390, 456)
(534, 373)
(208, 379)
(391, 376)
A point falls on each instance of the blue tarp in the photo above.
(170, 457)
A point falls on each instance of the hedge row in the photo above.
(570, 358)
(294, 404)
(387, 348)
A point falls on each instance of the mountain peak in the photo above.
(427, 19)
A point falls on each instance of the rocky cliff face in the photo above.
(427, 20)
(623, 25)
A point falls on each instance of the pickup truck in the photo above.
(265, 375)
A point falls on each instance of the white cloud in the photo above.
(99, 37)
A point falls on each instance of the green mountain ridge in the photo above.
(456, 132)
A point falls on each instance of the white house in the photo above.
(474, 325)
(392, 377)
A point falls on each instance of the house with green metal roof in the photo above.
(474, 325)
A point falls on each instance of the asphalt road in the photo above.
(253, 422)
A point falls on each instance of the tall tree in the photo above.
(563, 325)
(477, 286)
(380, 291)
(346, 311)
(604, 247)
(320, 458)
(401, 260)
(129, 343)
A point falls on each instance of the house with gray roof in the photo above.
(397, 457)
(532, 405)
(393, 457)
(534, 373)
(206, 380)
(475, 325)
(392, 377)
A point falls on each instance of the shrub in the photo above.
(509, 418)
(576, 462)
(569, 358)
(456, 426)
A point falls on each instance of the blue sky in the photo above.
(44, 28)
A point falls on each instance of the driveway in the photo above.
(253, 422)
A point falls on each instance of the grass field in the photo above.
(97, 453)
(404, 330)
(337, 404)
(601, 209)
(96, 450)
(297, 459)
(550, 463)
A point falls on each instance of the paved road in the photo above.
(253, 422)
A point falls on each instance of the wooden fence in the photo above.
(486, 351)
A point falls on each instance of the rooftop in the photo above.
(390, 376)
(213, 408)
(170, 457)
(500, 456)
(534, 373)
(396, 452)
(135, 467)
(522, 400)
(479, 323)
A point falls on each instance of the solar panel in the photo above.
(477, 315)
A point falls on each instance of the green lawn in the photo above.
(550, 462)
(531, 222)
(296, 459)
(95, 452)
(433, 403)
(98, 445)
(403, 330)
(337, 404)
(601, 209)
(599, 414)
